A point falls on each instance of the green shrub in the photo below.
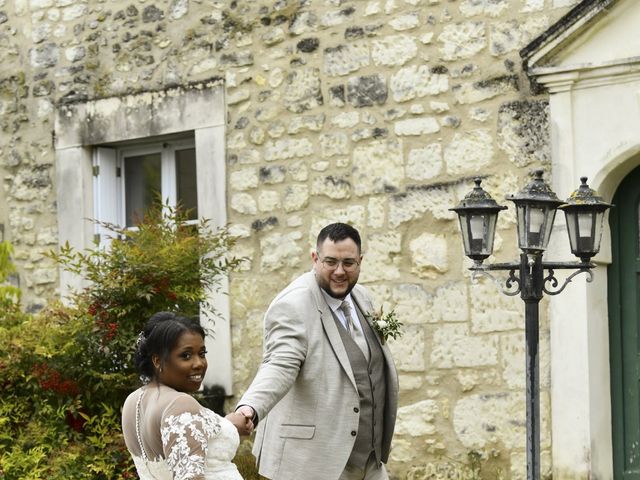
(65, 371)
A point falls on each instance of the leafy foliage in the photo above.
(65, 371)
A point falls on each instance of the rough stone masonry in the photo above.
(376, 113)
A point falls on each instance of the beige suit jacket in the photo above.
(305, 393)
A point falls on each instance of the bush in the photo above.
(65, 371)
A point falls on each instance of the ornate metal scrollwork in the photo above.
(553, 281)
(509, 282)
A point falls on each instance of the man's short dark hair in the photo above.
(337, 232)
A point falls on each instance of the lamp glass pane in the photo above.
(572, 229)
(491, 230)
(536, 219)
(522, 231)
(464, 229)
(585, 224)
(597, 236)
(476, 224)
(551, 216)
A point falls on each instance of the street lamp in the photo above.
(536, 206)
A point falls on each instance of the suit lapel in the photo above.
(331, 330)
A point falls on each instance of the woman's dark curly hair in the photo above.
(158, 337)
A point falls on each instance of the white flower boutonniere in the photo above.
(385, 325)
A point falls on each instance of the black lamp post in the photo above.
(536, 206)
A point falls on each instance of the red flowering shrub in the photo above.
(65, 371)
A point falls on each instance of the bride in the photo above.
(168, 433)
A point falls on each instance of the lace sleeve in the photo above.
(185, 429)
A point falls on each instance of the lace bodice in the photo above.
(171, 436)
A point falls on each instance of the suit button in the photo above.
(356, 409)
(353, 433)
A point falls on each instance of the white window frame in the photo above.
(81, 128)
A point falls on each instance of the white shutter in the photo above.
(107, 191)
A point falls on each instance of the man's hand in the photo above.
(242, 422)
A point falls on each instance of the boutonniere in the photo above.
(386, 325)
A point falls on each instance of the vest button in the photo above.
(356, 409)
(353, 433)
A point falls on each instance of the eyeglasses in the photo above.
(348, 264)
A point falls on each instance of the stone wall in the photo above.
(376, 113)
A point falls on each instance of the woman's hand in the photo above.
(241, 422)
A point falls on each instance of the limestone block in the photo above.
(411, 304)
(393, 50)
(376, 212)
(417, 419)
(383, 257)
(44, 56)
(523, 132)
(47, 236)
(298, 171)
(532, 6)
(484, 420)
(506, 37)
(409, 350)
(439, 107)
(409, 382)
(244, 203)
(39, 4)
(335, 187)
(402, 450)
(294, 221)
(43, 276)
(417, 126)
(449, 303)
(407, 21)
(41, 32)
(244, 179)
(475, 92)
(470, 379)
(367, 91)
(246, 255)
(479, 114)
(178, 9)
(257, 135)
(248, 156)
(372, 8)
(275, 129)
(424, 163)
(273, 36)
(280, 250)
(273, 174)
(303, 22)
(421, 199)
(73, 12)
(336, 17)
(428, 255)
(513, 359)
(206, 65)
(352, 214)
(320, 165)
(469, 152)
(302, 91)
(276, 77)
(239, 230)
(492, 312)
(462, 40)
(287, 148)
(268, 200)
(346, 120)
(491, 8)
(332, 144)
(415, 82)
(236, 141)
(312, 123)
(454, 347)
(345, 58)
(378, 167)
(296, 197)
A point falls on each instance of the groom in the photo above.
(326, 393)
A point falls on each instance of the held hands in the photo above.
(241, 419)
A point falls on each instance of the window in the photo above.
(113, 154)
(128, 179)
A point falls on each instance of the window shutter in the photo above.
(107, 188)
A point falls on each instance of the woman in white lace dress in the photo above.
(168, 433)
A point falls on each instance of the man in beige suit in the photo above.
(327, 390)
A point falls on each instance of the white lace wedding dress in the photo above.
(172, 437)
